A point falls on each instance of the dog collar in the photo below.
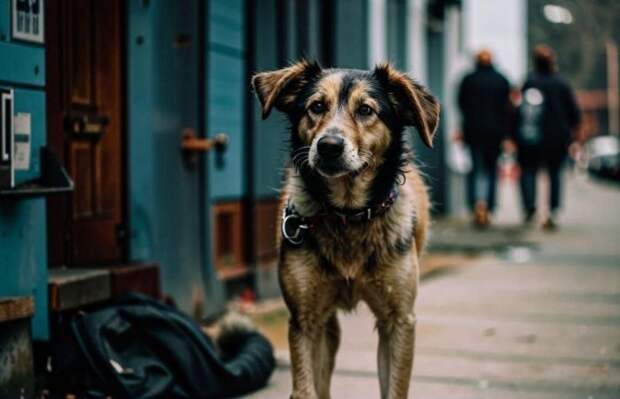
(365, 214)
(295, 227)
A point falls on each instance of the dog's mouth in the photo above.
(332, 167)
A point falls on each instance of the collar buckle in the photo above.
(294, 227)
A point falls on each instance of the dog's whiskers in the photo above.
(300, 150)
(299, 154)
(368, 159)
(300, 160)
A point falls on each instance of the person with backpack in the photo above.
(547, 119)
(483, 99)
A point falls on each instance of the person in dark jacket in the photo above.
(547, 119)
(483, 99)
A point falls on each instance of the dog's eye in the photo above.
(364, 110)
(318, 107)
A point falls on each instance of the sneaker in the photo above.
(482, 218)
(529, 217)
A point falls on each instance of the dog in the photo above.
(354, 213)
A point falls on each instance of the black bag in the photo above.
(141, 348)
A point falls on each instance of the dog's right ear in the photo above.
(280, 88)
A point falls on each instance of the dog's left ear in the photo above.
(413, 103)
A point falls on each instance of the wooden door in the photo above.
(84, 98)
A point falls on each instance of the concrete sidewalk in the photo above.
(539, 321)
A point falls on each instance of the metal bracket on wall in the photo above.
(54, 180)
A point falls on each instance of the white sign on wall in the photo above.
(22, 139)
(28, 20)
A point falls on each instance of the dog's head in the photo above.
(345, 121)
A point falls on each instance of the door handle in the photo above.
(191, 143)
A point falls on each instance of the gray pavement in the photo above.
(540, 321)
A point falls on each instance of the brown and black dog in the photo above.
(354, 213)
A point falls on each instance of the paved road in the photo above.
(529, 325)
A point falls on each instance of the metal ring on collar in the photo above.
(297, 238)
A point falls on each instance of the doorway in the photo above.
(84, 62)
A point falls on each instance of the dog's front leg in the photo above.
(300, 342)
(392, 299)
(395, 355)
(312, 333)
(401, 347)
(383, 361)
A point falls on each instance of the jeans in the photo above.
(531, 160)
(482, 179)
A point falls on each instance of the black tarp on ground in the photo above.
(140, 348)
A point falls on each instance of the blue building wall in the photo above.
(226, 96)
(23, 248)
(140, 125)
(271, 136)
(169, 198)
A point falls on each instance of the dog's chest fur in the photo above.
(352, 254)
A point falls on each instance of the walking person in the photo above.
(483, 99)
(547, 119)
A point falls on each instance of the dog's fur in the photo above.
(340, 264)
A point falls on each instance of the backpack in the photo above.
(139, 348)
(531, 116)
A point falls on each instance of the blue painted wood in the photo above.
(346, 54)
(227, 88)
(22, 64)
(165, 193)
(270, 136)
(433, 161)
(5, 19)
(32, 102)
(226, 24)
(226, 114)
(139, 124)
(23, 237)
(23, 256)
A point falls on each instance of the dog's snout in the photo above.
(330, 146)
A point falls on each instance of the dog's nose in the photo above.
(330, 146)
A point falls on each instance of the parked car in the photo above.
(602, 155)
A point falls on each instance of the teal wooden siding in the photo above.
(270, 136)
(23, 257)
(396, 32)
(22, 64)
(5, 20)
(226, 24)
(140, 132)
(23, 248)
(167, 215)
(226, 93)
(351, 39)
